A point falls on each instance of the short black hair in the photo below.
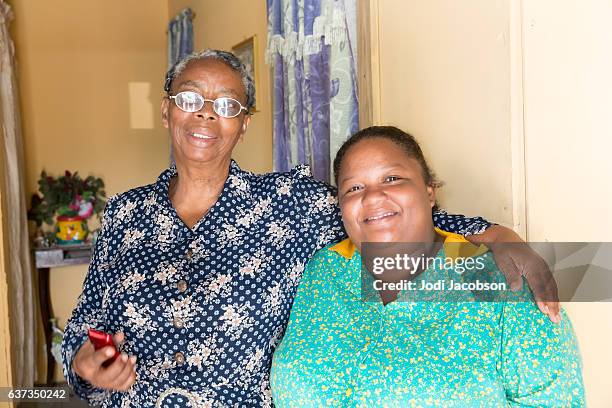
(402, 139)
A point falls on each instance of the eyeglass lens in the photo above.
(193, 102)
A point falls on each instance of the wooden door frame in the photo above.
(368, 63)
(370, 98)
(517, 122)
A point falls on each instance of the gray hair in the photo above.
(228, 59)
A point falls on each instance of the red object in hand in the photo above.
(99, 339)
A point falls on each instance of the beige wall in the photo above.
(568, 95)
(568, 121)
(220, 26)
(77, 61)
(511, 102)
(445, 78)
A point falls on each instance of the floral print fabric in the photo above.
(340, 351)
(203, 309)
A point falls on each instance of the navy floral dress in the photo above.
(204, 308)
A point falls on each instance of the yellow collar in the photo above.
(347, 249)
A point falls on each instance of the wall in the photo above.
(445, 77)
(221, 27)
(511, 104)
(77, 61)
(568, 95)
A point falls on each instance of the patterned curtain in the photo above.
(180, 36)
(180, 43)
(312, 50)
(21, 295)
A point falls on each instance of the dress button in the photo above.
(179, 358)
(189, 254)
(178, 322)
(181, 285)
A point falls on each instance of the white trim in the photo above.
(517, 125)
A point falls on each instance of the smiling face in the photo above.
(383, 195)
(204, 136)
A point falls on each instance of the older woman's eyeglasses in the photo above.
(189, 101)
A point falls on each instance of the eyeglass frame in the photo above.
(209, 100)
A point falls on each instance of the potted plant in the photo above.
(72, 200)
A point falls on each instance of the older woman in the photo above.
(342, 350)
(195, 274)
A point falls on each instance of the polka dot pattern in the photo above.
(202, 308)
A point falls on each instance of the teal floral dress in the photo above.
(341, 351)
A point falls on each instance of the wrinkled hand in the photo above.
(119, 376)
(516, 260)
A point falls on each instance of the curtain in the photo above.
(21, 295)
(180, 43)
(312, 50)
(180, 36)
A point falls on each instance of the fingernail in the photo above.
(546, 309)
(109, 352)
(124, 357)
(133, 359)
(558, 318)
